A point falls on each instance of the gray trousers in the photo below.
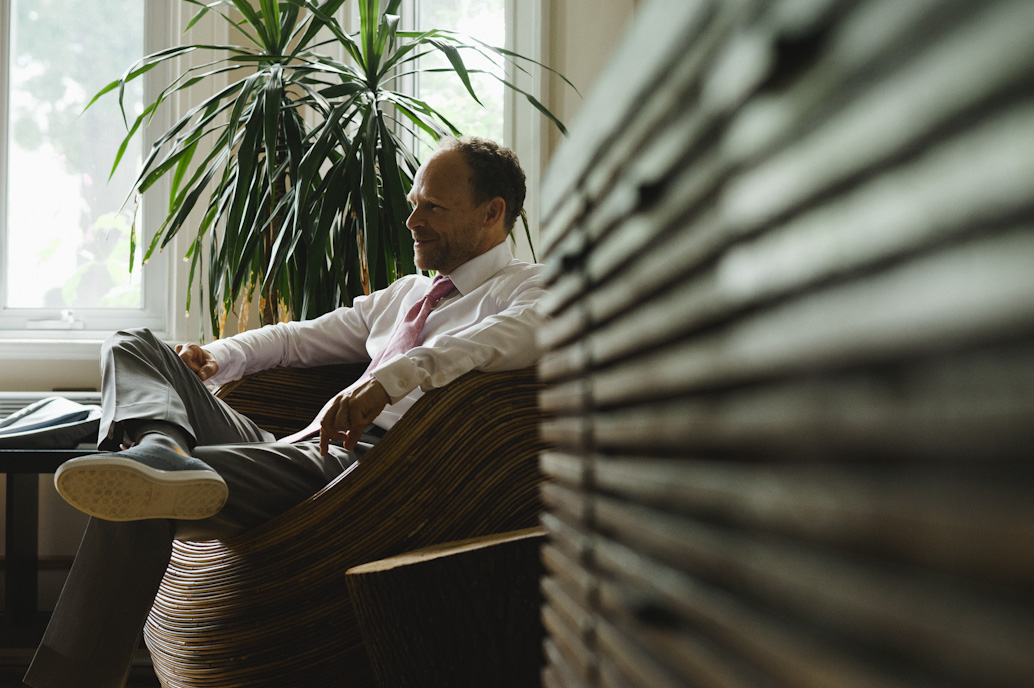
(100, 615)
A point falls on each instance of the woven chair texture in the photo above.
(270, 607)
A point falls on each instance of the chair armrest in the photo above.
(456, 614)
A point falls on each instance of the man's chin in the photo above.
(423, 264)
(426, 258)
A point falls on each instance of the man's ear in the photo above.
(495, 212)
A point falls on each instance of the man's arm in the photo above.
(336, 337)
(346, 416)
(502, 341)
(505, 340)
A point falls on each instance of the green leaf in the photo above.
(245, 101)
(457, 64)
(367, 13)
(341, 90)
(386, 31)
(535, 102)
(273, 95)
(515, 59)
(181, 168)
(324, 15)
(271, 17)
(423, 115)
(255, 22)
(128, 138)
(370, 202)
(138, 69)
(396, 186)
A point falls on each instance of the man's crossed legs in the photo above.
(96, 625)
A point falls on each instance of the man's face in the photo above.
(448, 229)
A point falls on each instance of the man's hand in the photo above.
(349, 415)
(198, 360)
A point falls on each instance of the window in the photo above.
(516, 25)
(484, 20)
(64, 233)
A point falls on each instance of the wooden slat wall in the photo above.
(791, 368)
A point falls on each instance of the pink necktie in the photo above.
(407, 334)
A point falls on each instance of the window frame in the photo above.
(36, 325)
(524, 127)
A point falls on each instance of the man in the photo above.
(193, 468)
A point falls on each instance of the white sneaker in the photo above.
(141, 483)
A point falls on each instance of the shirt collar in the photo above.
(479, 269)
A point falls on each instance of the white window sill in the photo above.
(23, 346)
(29, 363)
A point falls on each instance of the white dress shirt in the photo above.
(489, 323)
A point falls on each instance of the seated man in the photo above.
(191, 467)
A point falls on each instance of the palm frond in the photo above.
(296, 165)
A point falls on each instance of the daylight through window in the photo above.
(65, 226)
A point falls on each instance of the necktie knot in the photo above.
(441, 287)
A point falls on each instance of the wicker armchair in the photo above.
(271, 607)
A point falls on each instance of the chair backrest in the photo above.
(284, 400)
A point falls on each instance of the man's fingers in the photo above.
(198, 360)
(330, 423)
(357, 422)
(351, 439)
(348, 415)
(206, 371)
(192, 355)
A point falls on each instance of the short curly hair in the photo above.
(497, 172)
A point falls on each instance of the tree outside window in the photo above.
(67, 241)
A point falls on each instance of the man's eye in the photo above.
(425, 205)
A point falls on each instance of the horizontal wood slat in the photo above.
(676, 23)
(986, 55)
(856, 417)
(779, 646)
(960, 629)
(790, 360)
(973, 526)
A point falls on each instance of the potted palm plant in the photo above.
(297, 163)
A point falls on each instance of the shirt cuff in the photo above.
(399, 377)
(230, 359)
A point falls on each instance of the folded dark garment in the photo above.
(50, 423)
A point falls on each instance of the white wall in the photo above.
(583, 33)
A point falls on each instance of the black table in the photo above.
(23, 468)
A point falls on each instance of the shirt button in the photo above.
(403, 382)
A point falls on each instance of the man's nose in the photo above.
(412, 221)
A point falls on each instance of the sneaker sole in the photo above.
(119, 489)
